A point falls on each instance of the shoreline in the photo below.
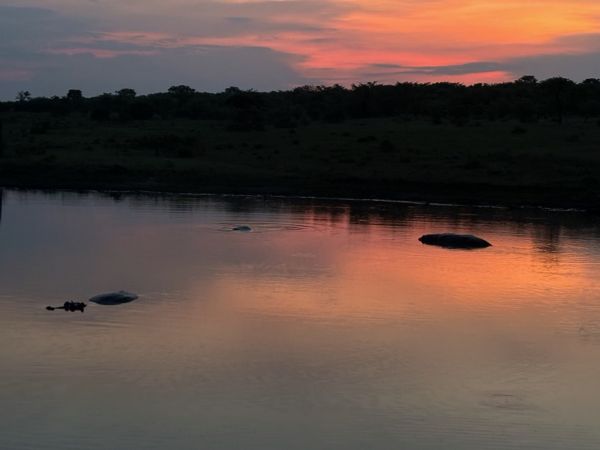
(480, 163)
(476, 196)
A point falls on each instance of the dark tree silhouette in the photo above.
(527, 79)
(559, 90)
(126, 93)
(525, 99)
(23, 96)
(247, 107)
(1, 140)
(181, 91)
(1, 203)
(74, 95)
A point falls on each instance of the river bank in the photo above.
(500, 163)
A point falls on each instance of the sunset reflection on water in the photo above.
(328, 326)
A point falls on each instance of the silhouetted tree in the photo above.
(74, 95)
(74, 99)
(124, 102)
(527, 79)
(595, 82)
(247, 107)
(558, 90)
(126, 93)
(23, 96)
(100, 114)
(100, 107)
(1, 140)
(525, 99)
(364, 96)
(141, 110)
(181, 92)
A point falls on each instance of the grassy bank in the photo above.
(478, 162)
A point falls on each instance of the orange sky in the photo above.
(355, 35)
(308, 41)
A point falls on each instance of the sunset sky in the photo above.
(49, 46)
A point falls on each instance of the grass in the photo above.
(498, 162)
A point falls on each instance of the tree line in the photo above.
(526, 99)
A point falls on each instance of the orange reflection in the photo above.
(385, 278)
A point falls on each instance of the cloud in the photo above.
(47, 44)
(211, 68)
(576, 66)
(49, 53)
(27, 27)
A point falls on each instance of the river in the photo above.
(328, 326)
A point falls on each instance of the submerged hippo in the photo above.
(449, 240)
(242, 228)
(114, 298)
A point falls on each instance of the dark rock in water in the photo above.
(449, 240)
(243, 228)
(114, 298)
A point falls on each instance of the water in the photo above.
(329, 326)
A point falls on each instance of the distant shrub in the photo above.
(170, 145)
(185, 153)
(30, 149)
(141, 110)
(100, 114)
(246, 120)
(473, 165)
(387, 146)
(284, 118)
(161, 141)
(1, 140)
(590, 181)
(366, 139)
(39, 127)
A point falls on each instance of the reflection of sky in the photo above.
(51, 45)
(329, 326)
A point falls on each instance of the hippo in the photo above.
(114, 298)
(242, 228)
(450, 240)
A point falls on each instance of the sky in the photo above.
(50, 46)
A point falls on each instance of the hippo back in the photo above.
(450, 240)
(114, 298)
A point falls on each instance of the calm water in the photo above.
(328, 327)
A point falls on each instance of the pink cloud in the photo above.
(336, 40)
(99, 53)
